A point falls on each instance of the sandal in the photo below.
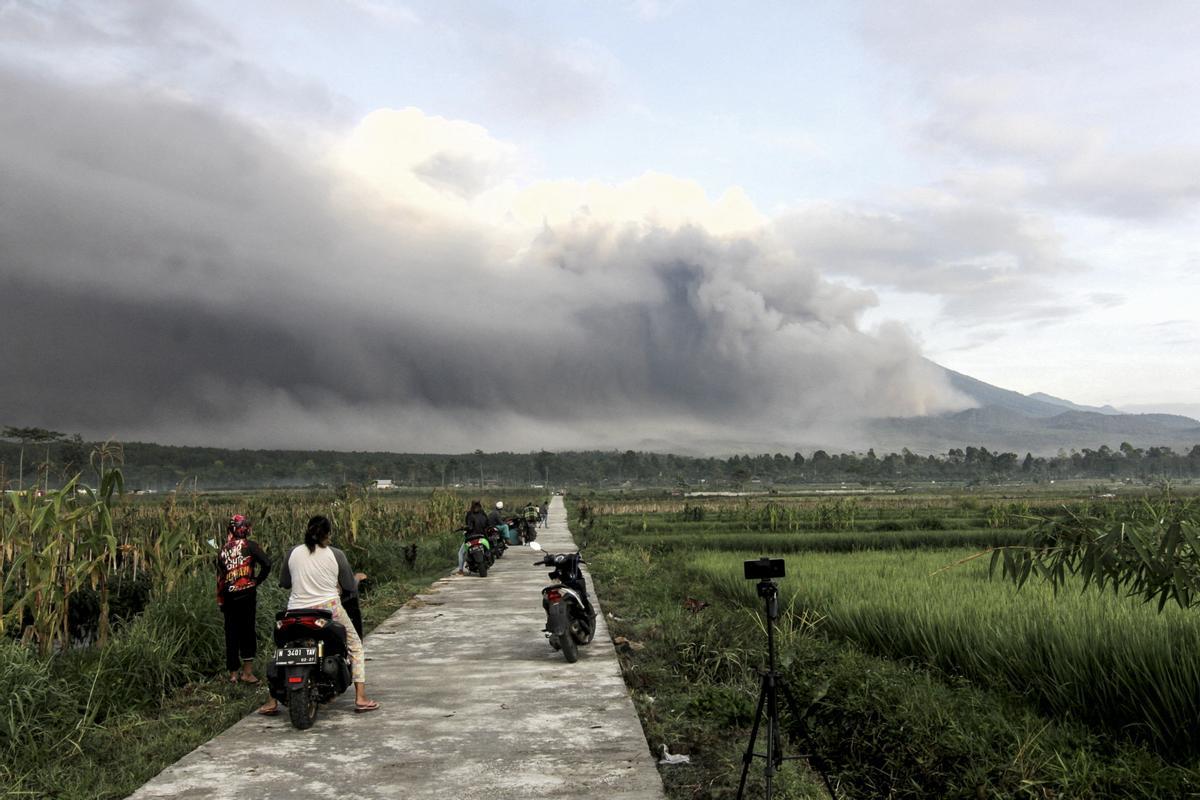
(365, 707)
(251, 680)
(269, 712)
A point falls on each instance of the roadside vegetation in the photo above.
(926, 673)
(111, 643)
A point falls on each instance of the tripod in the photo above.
(768, 698)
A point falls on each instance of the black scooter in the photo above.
(479, 552)
(311, 665)
(497, 542)
(570, 618)
(526, 532)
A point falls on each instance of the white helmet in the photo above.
(499, 504)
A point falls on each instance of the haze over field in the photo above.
(442, 226)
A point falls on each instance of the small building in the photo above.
(384, 483)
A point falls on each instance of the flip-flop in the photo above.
(252, 681)
(271, 713)
(363, 709)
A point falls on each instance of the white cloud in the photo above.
(1086, 103)
(428, 162)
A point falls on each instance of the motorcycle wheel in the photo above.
(581, 633)
(483, 568)
(302, 705)
(570, 649)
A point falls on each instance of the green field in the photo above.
(929, 677)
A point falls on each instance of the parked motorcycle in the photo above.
(311, 665)
(497, 542)
(527, 532)
(479, 552)
(570, 618)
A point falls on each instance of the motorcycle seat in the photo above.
(298, 613)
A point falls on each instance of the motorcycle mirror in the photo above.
(535, 546)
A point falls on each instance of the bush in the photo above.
(32, 698)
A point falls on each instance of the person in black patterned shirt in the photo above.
(241, 567)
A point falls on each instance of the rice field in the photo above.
(1108, 660)
(900, 577)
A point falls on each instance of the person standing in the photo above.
(241, 567)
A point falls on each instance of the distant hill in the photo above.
(1183, 409)
(1058, 401)
(1037, 423)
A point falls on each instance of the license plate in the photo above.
(294, 656)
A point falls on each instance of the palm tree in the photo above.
(31, 436)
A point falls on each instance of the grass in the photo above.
(924, 685)
(851, 541)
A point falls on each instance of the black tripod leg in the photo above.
(802, 723)
(774, 749)
(749, 756)
(793, 706)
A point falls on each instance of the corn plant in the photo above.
(1155, 556)
(52, 546)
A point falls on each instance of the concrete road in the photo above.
(475, 704)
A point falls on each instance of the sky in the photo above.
(624, 223)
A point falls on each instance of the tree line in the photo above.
(35, 457)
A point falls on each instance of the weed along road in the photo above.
(475, 704)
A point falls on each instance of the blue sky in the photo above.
(1008, 189)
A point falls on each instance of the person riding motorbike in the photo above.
(476, 523)
(497, 522)
(531, 515)
(317, 575)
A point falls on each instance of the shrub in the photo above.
(32, 699)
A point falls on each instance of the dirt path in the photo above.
(475, 705)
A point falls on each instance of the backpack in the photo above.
(531, 514)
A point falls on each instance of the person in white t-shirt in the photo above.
(318, 575)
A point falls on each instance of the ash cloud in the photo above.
(174, 273)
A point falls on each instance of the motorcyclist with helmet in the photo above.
(496, 521)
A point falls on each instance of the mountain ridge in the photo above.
(1038, 423)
